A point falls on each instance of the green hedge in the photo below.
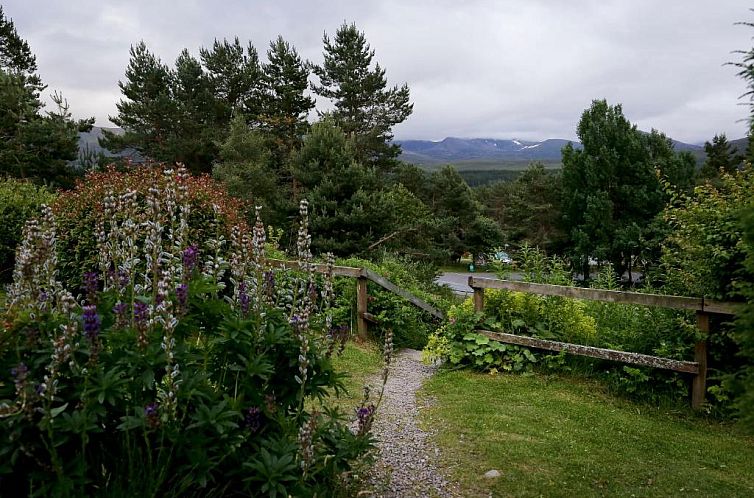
(19, 201)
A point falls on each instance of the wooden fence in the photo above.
(362, 276)
(703, 308)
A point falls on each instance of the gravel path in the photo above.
(406, 465)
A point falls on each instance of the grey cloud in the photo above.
(502, 69)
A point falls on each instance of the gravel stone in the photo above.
(407, 464)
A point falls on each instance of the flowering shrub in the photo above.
(212, 216)
(180, 370)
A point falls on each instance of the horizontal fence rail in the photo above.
(592, 352)
(610, 296)
(704, 308)
(362, 276)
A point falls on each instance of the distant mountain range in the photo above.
(487, 153)
(488, 150)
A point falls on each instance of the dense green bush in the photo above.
(457, 342)
(177, 372)
(19, 201)
(705, 251)
(743, 380)
(410, 325)
(641, 329)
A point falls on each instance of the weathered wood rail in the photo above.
(362, 276)
(703, 308)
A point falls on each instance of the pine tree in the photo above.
(148, 110)
(365, 108)
(17, 58)
(235, 77)
(720, 157)
(343, 194)
(196, 137)
(34, 145)
(285, 106)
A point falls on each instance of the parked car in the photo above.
(501, 257)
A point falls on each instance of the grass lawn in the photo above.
(564, 436)
(361, 361)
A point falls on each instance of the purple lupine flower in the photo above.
(141, 317)
(91, 285)
(43, 297)
(243, 298)
(364, 416)
(269, 280)
(253, 419)
(123, 279)
(19, 371)
(152, 414)
(141, 313)
(190, 256)
(312, 292)
(91, 322)
(181, 293)
(120, 312)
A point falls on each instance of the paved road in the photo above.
(459, 281)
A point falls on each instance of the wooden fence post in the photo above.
(699, 384)
(478, 296)
(361, 306)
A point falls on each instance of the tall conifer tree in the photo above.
(365, 108)
(285, 105)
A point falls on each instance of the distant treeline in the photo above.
(478, 178)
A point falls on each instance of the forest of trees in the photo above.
(249, 121)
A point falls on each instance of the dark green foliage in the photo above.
(344, 194)
(610, 188)
(245, 168)
(364, 106)
(234, 75)
(410, 325)
(146, 112)
(101, 438)
(458, 343)
(285, 106)
(462, 227)
(528, 208)
(721, 156)
(19, 202)
(745, 327)
(483, 178)
(167, 115)
(703, 255)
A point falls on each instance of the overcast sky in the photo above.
(495, 69)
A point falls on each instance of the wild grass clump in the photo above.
(180, 369)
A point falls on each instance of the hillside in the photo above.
(488, 153)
